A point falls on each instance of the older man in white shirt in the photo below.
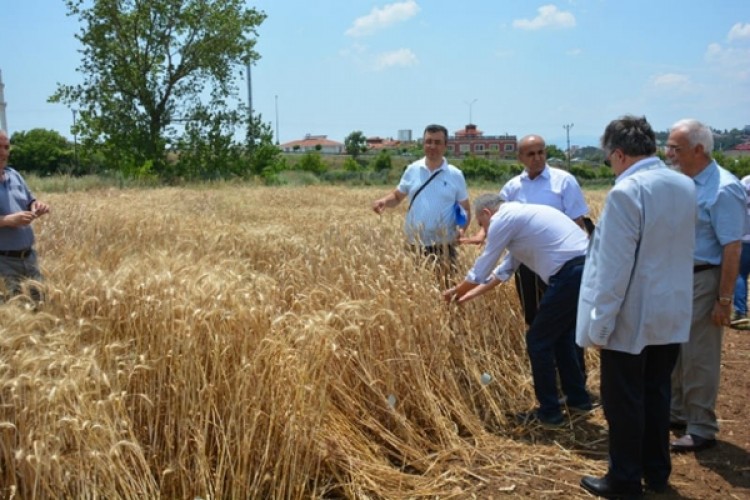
(553, 246)
(636, 303)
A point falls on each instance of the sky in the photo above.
(518, 67)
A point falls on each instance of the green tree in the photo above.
(382, 161)
(555, 152)
(152, 69)
(355, 144)
(312, 162)
(41, 151)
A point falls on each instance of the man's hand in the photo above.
(19, 219)
(39, 208)
(378, 206)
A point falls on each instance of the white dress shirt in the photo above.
(538, 236)
(552, 187)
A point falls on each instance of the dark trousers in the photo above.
(550, 342)
(445, 259)
(531, 288)
(636, 394)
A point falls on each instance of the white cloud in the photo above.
(574, 52)
(730, 62)
(380, 18)
(671, 82)
(400, 57)
(739, 31)
(549, 17)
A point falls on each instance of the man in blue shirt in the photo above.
(635, 305)
(718, 244)
(18, 209)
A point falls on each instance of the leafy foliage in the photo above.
(479, 168)
(382, 161)
(42, 152)
(555, 152)
(355, 144)
(312, 162)
(158, 72)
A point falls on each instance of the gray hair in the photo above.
(697, 133)
(489, 200)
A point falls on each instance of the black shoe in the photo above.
(677, 426)
(533, 417)
(603, 487)
(657, 488)
(691, 442)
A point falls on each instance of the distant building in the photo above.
(471, 140)
(404, 135)
(378, 143)
(313, 143)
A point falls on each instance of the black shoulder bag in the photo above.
(422, 187)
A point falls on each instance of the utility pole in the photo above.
(251, 128)
(3, 104)
(471, 104)
(567, 133)
(276, 98)
(75, 139)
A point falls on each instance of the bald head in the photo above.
(532, 154)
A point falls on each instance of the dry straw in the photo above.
(263, 343)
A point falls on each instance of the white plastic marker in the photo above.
(391, 401)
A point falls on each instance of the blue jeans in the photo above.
(550, 342)
(740, 288)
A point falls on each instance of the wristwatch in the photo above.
(725, 301)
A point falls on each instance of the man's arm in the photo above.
(730, 266)
(390, 200)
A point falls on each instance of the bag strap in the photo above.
(422, 187)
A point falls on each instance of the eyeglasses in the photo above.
(607, 155)
(672, 148)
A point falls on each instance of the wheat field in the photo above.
(252, 342)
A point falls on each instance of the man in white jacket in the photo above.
(635, 305)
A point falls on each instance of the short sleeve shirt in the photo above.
(431, 219)
(15, 197)
(721, 212)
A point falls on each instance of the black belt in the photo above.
(703, 267)
(18, 254)
(572, 262)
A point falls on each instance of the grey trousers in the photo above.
(695, 379)
(15, 271)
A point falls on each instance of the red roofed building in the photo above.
(378, 143)
(313, 143)
(471, 140)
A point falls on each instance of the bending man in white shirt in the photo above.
(553, 246)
